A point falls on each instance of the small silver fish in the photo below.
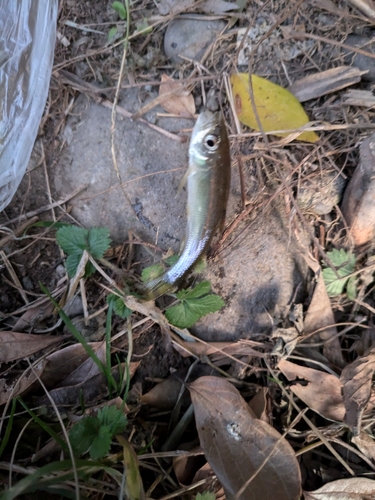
(208, 181)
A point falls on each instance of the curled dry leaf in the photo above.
(178, 100)
(366, 444)
(358, 205)
(61, 363)
(356, 379)
(354, 488)
(320, 316)
(250, 458)
(165, 394)
(322, 393)
(14, 345)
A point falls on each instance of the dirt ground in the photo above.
(277, 319)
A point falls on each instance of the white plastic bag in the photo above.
(27, 42)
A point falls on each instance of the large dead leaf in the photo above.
(277, 108)
(322, 393)
(14, 345)
(179, 101)
(250, 458)
(356, 379)
(354, 488)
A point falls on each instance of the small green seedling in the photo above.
(344, 263)
(74, 240)
(194, 304)
(94, 434)
(119, 306)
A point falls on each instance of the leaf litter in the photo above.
(327, 367)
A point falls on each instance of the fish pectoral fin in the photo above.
(183, 181)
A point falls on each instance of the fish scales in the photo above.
(208, 181)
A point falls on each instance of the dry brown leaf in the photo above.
(19, 386)
(60, 364)
(165, 394)
(230, 435)
(258, 404)
(320, 315)
(356, 379)
(14, 345)
(88, 369)
(211, 484)
(218, 350)
(186, 466)
(322, 393)
(181, 102)
(91, 390)
(43, 309)
(366, 444)
(325, 82)
(354, 488)
(358, 205)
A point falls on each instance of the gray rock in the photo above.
(255, 276)
(154, 212)
(258, 272)
(361, 61)
(190, 37)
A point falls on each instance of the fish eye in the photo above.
(211, 142)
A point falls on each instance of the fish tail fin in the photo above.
(157, 287)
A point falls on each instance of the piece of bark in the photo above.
(358, 205)
(326, 82)
(364, 98)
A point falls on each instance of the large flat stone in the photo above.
(260, 271)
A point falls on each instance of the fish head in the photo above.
(208, 138)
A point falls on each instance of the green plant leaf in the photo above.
(101, 443)
(206, 495)
(119, 7)
(113, 418)
(351, 288)
(83, 433)
(344, 262)
(194, 304)
(201, 289)
(98, 241)
(94, 433)
(72, 239)
(152, 272)
(200, 265)
(112, 33)
(143, 26)
(172, 259)
(119, 306)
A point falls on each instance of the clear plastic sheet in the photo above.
(27, 42)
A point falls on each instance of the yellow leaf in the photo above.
(277, 108)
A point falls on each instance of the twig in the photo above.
(14, 276)
(40, 210)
